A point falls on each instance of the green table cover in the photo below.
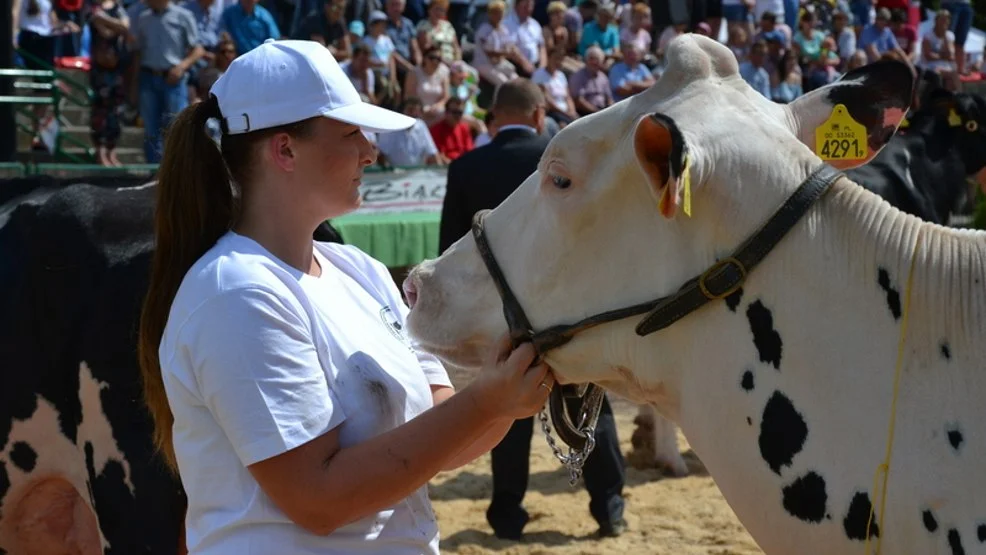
(396, 239)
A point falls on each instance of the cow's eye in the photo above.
(560, 182)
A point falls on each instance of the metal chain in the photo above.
(574, 460)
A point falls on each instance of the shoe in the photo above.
(612, 529)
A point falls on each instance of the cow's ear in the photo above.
(875, 97)
(661, 152)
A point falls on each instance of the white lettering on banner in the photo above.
(420, 190)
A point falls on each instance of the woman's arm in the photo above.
(322, 487)
(483, 443)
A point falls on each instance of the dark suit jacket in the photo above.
(485, 177)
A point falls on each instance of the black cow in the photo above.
(925, 169)
(74, 433)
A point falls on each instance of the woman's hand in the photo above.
(508, 386)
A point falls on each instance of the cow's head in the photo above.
(961, 117)
(601, 224)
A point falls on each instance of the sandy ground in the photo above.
(665, 515)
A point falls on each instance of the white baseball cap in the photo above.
(287, 81)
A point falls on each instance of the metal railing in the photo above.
(12, 169)
(50, 87)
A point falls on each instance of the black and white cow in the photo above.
(925, 169)
(78, 474)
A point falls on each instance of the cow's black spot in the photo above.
(955, 542)
(981, 533)
(893, 297)
(955, 438)
(858, 517)
(749, 421)
(805, 498)
(23, 456)
(782, 432)
(765, 337)
(946, 351)
(734, 298)
(747, 382)
(930, 524)
(91, 470)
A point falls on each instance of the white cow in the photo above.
(785, 389)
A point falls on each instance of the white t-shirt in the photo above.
(555, 84)
(258, 358)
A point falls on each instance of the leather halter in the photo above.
(717, 282)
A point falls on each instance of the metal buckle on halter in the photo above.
(712, 269)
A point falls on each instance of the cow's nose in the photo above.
(410, 291)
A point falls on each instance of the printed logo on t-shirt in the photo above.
(396, 329)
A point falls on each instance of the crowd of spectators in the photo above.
(440, 61)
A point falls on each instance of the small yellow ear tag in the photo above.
(841, 137)
(686, 177)
(953, 118)
(905, 123)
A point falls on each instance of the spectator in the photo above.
(629, 77)
(249, 24)
(589, 86)
(576, 17)
(326, 26)
(437, 31)
(788, 86)
(769, 25)
(359, 10)
(961, 22)
(430, 83)
(602, 32)
(225, 54)
(938, 50)
(753, 70)
(382, 54)
(167, 45)
(824, 69)
(774, 7)
(452, 135)
(464, 84)
(554, 84)
(775, 51)
(356, 31)
(670, 33)
(905, 33)
(856, 61)
(556, 33)
(845, 38)
(738, 14)
(208, 16)
(109, 27)
(360, 73)
(400, 29)
(861, 14)
(808, 39)
(410, 147)
(493, 46)
(739, 42)
(637, 30)
(877, 38)
(527, 36)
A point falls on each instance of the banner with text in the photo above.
(399, 190)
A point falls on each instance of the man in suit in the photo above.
(483, 178)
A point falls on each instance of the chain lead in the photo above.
(574, 460)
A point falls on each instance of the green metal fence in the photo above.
(12, 169)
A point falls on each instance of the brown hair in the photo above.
(195, 207)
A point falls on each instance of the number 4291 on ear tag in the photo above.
(841, 137)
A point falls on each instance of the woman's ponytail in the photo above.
(195, 207)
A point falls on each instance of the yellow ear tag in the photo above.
(905, 123)
(686, 177)
(953, 118)
(841, 137)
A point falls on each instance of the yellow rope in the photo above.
(884, 468)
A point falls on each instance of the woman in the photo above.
(284, 390)
(553, 82)
(789, 80)
(437, 31)
(430, 82)
(109, 25)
